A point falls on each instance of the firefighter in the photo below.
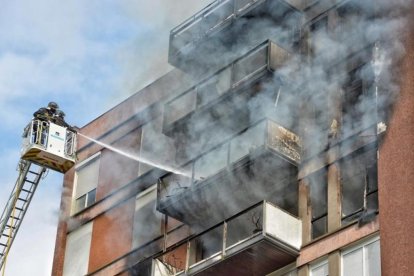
(52, 108)
(42, 114)
(59, 118)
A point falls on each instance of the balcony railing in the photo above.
(265, 135)
(266, 57)
(213, 18)
(264, 233)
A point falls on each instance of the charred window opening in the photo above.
(358, 105)
(319, 196)
(359, 186)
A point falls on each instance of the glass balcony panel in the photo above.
(174, 184)
(180, 107)
(210, 163)
(202, 23)
(206, 245)
(242, 145)
(218, 15)
(244, 226)
(241, 5)
(264, 233)
(171, 263)
(250, 64)
(214, 87)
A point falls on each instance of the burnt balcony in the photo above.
(258, 163)
(256, 241)
(231, 27)
(220, 101)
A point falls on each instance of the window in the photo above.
(319, 195)
(358, 107)
(359, 186)
(86, 200)
(86, 181)
(320, 269)
(362, 260)
(78, 245)
(147, 220)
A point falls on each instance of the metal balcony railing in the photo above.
(266, 57)
(261, 232)
(212, 18)
(266, 135)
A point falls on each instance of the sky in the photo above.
(87, 56)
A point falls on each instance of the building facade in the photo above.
(282, 144)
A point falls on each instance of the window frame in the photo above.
(317, 264)
(360, 245)
(368, 189)
(74, 210)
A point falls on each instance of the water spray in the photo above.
(138, 158)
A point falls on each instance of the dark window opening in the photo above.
(319, 196)
(358, 104)
(359, 186)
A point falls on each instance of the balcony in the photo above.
(257, 163)
(225, 95)
(257, 241)
(221, 27)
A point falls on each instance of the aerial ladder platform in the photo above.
(48, 143)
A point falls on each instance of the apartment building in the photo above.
(282, 144)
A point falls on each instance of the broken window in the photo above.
(359, 185)
(319, 196)
(358, 105)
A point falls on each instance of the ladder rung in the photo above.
(12, 227)
(5, 235)
(33, 172)
(16, 218)
(27, 191)
(17, 208)
(34, 183)
(24, 200)
(2, 244)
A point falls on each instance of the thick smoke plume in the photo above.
(339, 78)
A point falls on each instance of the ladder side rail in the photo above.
(17, 219)
(11, 201)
